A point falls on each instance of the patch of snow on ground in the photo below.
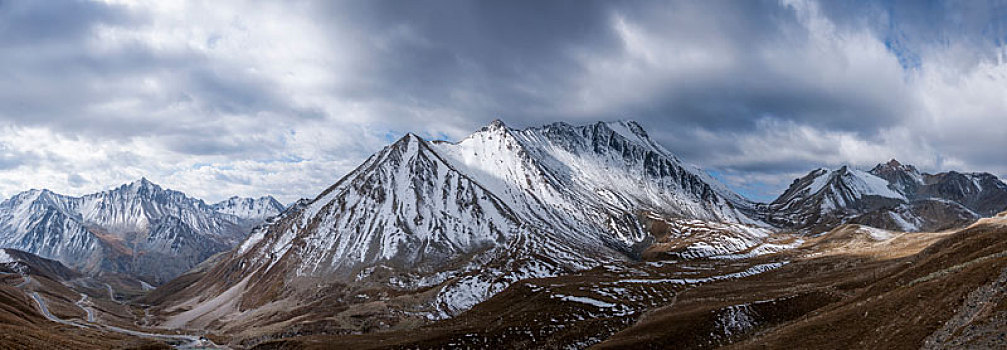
(904, 224)
(461, 295)
(736, 319)
(612, 292)
(146, 286)
(751, 271)
(820, 181)
(763, 249)
(466, 292)
(257, 235)
(877, 234)
(869, 184)
(713, 238)
(584, 300)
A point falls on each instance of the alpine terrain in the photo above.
(892, 196)
(138, 229)
(425, 230)
(553, 237)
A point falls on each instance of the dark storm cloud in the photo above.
(846, 80)
(482, 58)
(520, 61)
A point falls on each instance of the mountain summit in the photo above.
(447, 225)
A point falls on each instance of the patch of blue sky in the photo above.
(757, 191)
(392, 135)
(908, 59)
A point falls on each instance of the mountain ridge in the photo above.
(446, 225)
(425, 231)
(891, 195)
(137, 228)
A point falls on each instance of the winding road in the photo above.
(111, 294)
(178, 341)
(90, 312)
(50, 316)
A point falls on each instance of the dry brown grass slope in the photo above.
(950, 295)
(22, 326)
(847, 289)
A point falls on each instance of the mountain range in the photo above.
(594, 221)
(138, 229)
(425, 230)
(451, 224)
(892, 196)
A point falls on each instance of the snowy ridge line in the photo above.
(470, 218)
(891, 196)
(751, 271)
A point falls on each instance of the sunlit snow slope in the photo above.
(468, 218)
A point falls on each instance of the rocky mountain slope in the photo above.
(891, 196)
(428, 229)
(139, 229)
(854, 287)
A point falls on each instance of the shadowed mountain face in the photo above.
(139, 229)
(891, 195)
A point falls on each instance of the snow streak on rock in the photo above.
(472, 217)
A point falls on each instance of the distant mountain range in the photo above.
(892, 196)
(138, 229)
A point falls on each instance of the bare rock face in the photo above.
(139, 229)
(892, 196)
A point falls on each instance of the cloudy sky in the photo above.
(220, 98)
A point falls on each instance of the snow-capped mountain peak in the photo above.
(903, 177)
(891, 195)
(139, 228)
(143, 184)
(862, 183)
(496, 124)
(633, 132)
(465, 219)
(250, 208)
(834, 189)
(893, 165)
